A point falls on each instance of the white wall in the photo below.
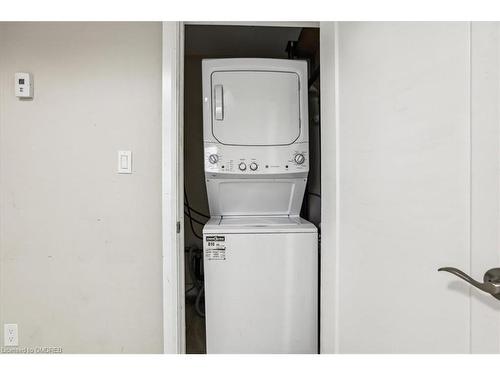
(80, 245)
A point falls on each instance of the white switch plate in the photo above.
(124, 161)
(23, 85)
(10, 336)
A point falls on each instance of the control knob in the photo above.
(254, 166)
(242, 166)
(213, 158)
(299, 159)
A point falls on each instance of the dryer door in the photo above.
(255, 108)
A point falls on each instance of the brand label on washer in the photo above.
(215, 248)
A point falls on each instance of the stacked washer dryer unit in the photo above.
(260, 257)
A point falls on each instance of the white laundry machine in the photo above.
(260, 257)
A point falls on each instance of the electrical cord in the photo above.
(197, 303)
(197, 280)
(190, 216)
(190, 289)
(192, 274)
(314, 194)
(197, 212)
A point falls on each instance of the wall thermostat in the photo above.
(24, 85)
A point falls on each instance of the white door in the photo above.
(485, 181)
(259, 108)
(414, 187)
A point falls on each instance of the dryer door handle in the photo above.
(219, 102)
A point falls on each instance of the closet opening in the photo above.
(217, 42)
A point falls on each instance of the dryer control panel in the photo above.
(256, 160)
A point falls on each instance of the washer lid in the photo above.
(260, 221)
(255, 107)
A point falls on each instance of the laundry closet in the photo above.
(254, 269)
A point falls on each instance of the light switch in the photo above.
(23, 83)
(124, 161)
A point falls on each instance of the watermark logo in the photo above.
(31, 350)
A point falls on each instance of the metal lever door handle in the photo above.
(490, 284)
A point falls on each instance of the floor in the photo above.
(195, 329)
